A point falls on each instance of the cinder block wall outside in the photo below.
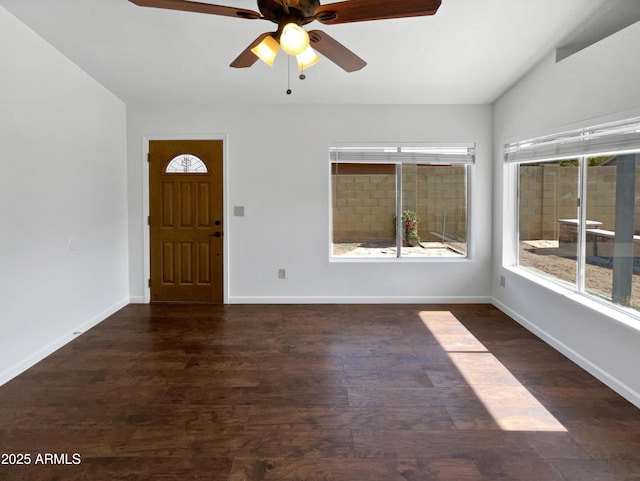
(364, 205)
(550, 192)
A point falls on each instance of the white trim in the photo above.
(40, 354)
(359, 300)
(614, 383)
(146, 212)
(399, 208)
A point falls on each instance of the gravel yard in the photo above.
(374, 249)
(598, 278)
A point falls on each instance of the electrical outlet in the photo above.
(282, 273)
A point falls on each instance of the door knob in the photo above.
(215, 234)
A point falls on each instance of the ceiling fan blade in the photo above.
(335, 51)
(198, 7)
(247, 58)
(364, 10)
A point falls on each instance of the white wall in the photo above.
(277, 168)
(63, 199)
(596, 85)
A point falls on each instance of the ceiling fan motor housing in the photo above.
(302, 10)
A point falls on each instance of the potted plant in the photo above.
(410, 220)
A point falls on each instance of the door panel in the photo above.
(186, 213)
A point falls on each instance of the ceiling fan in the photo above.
(291, 15)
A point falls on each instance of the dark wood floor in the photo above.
(315, 393)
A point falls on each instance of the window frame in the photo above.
(186, 156)
(432, 153)
(615, 139)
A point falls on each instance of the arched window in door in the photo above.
(186, 164)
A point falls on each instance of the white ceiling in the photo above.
(470, 52)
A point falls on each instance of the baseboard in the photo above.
(614, 383)
(50, 348)
(357, 300)
(137, 300)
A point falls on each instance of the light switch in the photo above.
(238, 210)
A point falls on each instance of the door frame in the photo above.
(146, 234)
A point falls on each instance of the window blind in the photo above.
(405, 153)
(613, 138)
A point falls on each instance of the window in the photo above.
(579, 210)
(548, 218)
(186, 164)
(391, 201)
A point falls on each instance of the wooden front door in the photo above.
(186, 220)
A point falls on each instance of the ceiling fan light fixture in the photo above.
(307, 58)
(267, 50)
(294, 39)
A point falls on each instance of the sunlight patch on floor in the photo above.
(509, 402)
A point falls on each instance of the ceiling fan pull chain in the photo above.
(288, 75)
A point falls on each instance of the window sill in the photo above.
(628, 317)
(385, 260)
